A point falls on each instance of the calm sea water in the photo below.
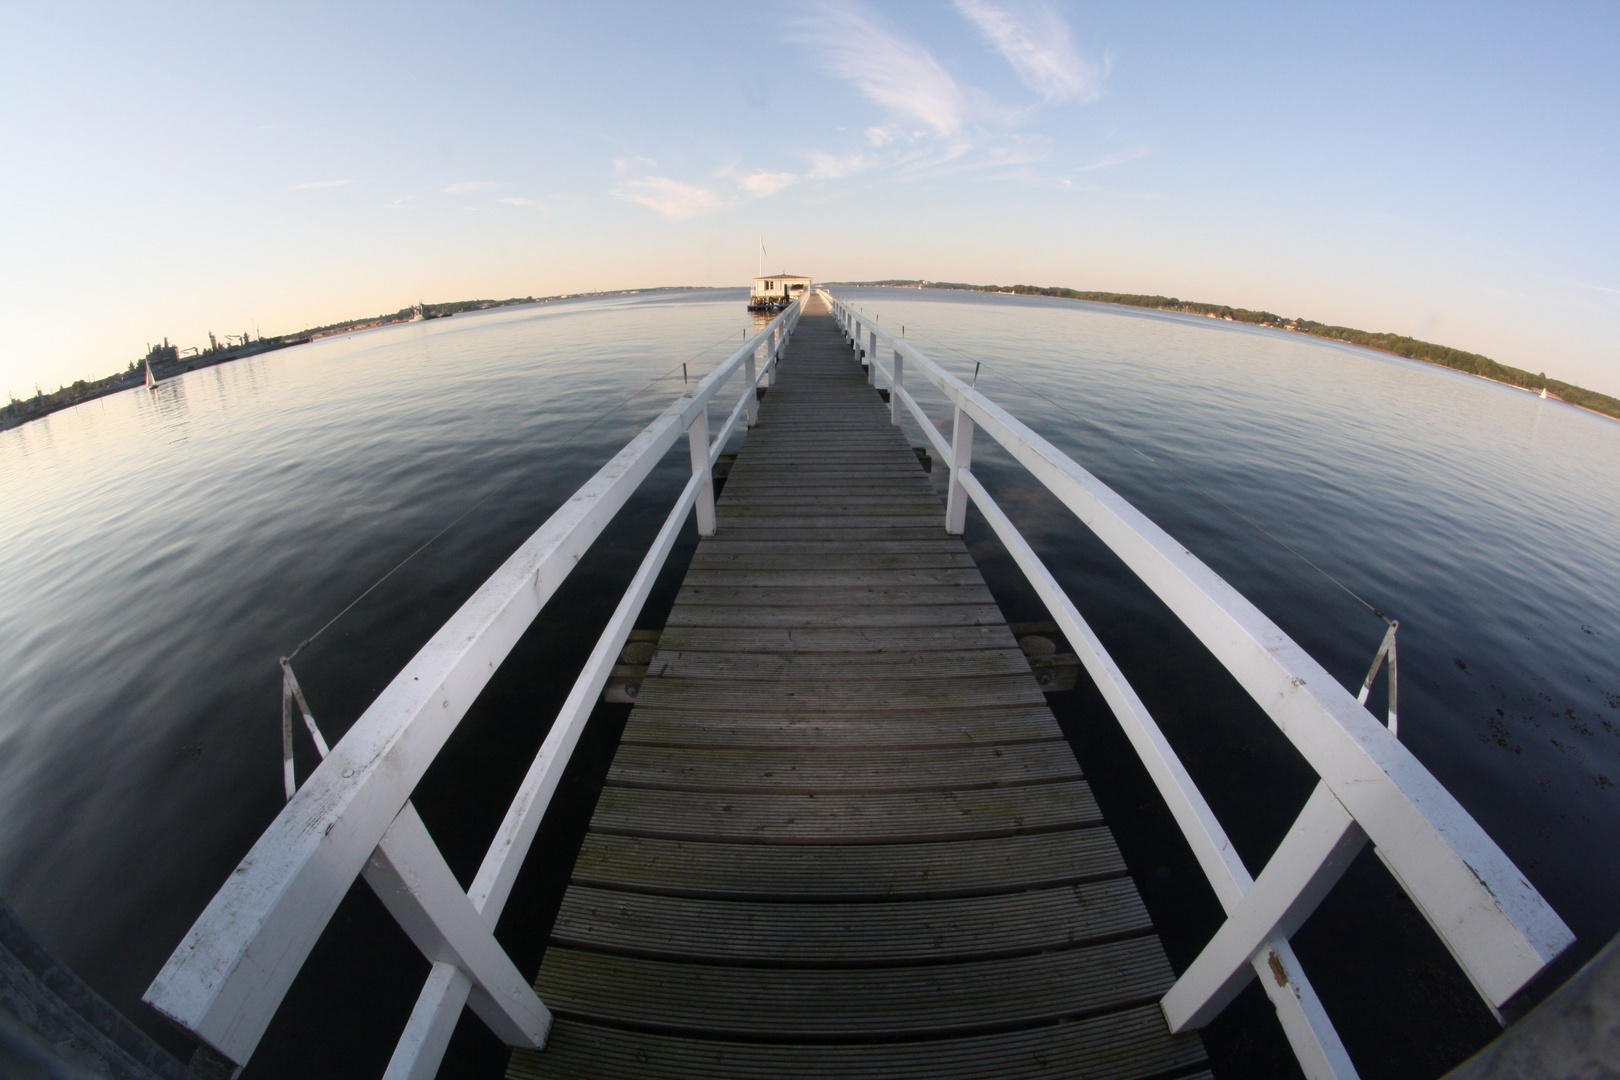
(159, 551)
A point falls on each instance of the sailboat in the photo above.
(151, 383)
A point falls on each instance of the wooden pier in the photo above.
(843, 835)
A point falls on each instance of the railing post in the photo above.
(697, 437)
(895, 385)
(751, 401)
(871, 357)
(956, 500)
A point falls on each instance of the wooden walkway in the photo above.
(843, 835)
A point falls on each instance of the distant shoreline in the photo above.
(168, 361)
(1392, 344)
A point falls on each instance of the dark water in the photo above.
(161, 550)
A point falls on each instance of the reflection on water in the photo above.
(1486, 519)
(161, 549)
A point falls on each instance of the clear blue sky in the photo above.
(1450, 171)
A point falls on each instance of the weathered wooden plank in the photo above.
(840, 667)
(852, 537)
(802, 577)
(822, 639)
(773, 481)
(779, 490)
(835, 596)
(755, 771)
(827, 473)
(790, 505)
(834, 542)
(887, 459)
(982, 727)
(804, 698)
(906, 522)
(855, 873)
(843, 835)
(1129, 1045)
(736, 615)
(833, 443)
(832, 560)
(843, 818)
(857, 1002)
(837, 935)
(818, 516)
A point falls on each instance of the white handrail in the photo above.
(1497, 926)
(229, 974)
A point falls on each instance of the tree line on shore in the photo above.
(1398, 344)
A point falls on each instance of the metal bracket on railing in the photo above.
(291, 692)
(1386, 648)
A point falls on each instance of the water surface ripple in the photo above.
(160, 550)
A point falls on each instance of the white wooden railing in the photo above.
(1493, 921)
(353, 816)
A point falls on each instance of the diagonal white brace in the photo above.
(438, 1007)
(409, 875)
(1309, 862)
(1316, 1044)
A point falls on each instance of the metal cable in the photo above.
(464, 514)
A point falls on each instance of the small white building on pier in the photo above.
(776, 292)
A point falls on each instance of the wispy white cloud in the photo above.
(832, 166)
(893, 71)
(1034, 39)
(1596, 288)
(672, 198)
(518, 200)
(1119, 158)
(935, 126)
(404, 202)
(311, 185)
(467, 187)
(761, 183)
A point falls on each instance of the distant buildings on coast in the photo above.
(167, 360)
(164, 361)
